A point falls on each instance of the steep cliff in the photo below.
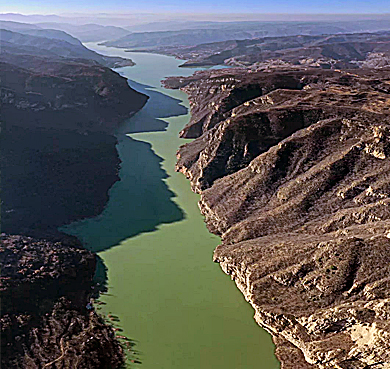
(58, 151)
(64, 94)
(295, 180)
(58, 160)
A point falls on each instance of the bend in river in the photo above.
(179, 306)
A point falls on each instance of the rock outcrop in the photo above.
(296, 182)
(46, 321)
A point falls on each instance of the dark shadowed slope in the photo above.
(57, 117)
(53, 44)
(57, 160)
(144, 198)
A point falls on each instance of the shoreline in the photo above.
(59, 161)
(139, 261)
(292, 239)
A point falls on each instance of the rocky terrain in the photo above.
(293, 170)
(58, 160)
(45, 320)
(82, 97)
(329, 51)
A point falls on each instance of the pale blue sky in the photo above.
(217, 6)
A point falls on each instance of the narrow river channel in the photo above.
(169, 296)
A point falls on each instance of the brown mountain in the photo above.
(293, 171)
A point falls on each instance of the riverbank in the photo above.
(295, 180)
(58, 160)
(162, 284)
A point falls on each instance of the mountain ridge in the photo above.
(292, 168)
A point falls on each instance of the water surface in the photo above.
(182, 310)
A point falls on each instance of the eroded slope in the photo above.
(296, 182)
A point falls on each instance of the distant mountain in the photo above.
(176, 38)
(190, 31)
(104, 19)
(34, 30)
(335, 51)
(16, 17)
(17, 26)
(53, 34)
(88, 32)
(177, 25)
(56, 44)
(195, 33)
(81, 28)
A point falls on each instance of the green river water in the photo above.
(179, 307)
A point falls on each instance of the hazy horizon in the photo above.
(129, 19)
(252, 8)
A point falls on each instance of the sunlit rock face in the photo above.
(296, 181)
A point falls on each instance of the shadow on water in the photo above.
(159, 106)
(141, 200)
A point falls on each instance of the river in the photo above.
(179, 307)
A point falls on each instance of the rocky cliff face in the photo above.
(58, 152)
(295, 180)
(68, 94)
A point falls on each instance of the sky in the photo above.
(195, 6)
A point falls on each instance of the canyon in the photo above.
(289, 155)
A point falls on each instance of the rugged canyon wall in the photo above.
(58, 155)
(293, 171)
(58, 159)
